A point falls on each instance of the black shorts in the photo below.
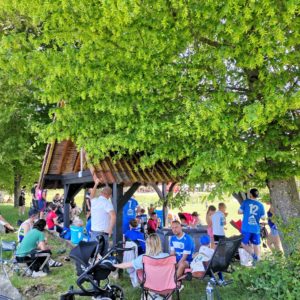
(218, 237)
(21, 201)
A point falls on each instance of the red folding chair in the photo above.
(159, 277)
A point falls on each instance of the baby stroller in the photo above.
(93, 272)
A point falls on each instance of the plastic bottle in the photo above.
(209, 292)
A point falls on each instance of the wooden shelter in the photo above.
(66, 167)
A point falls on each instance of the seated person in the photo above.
(33, 247)
(52, 219)
(136, 236)
(142, 218)
(153, 249)
(200, 262)
(27, 225)
(182, 245)
(152, 224)
(195, 219)
(6, 225)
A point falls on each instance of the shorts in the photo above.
(41, 205)
(274, 232)
(21, 201)
(253, 238)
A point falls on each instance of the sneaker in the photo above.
(221, 282)
(181, 288)
(213, 281)
(28, 273)
(38, 274)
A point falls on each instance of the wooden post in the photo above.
(117, 193)
(66, 206)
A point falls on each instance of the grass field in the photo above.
(60, 279)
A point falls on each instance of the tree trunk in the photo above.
(240, 196)
(285, 198)
(17, 189)
(285, 201)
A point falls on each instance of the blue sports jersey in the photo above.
(136, 235)
(183, 245)
(253, 210)
(129, 213)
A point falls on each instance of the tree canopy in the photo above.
(213, 85)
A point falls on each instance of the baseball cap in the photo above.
(204, 240)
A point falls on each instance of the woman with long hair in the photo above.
(153, 249)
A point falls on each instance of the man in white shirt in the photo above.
(218, 222)
(103, 216)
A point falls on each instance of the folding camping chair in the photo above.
(222, 258)
(7, 249)
(159, 277)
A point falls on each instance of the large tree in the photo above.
(211, 85)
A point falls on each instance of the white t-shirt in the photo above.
(218, 222)
(205, 254)
(100, 209)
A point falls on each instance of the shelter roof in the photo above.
(62, 163)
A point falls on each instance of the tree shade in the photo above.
(213, 84)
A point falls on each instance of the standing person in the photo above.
(22, 201)
(129, 213)
(252, 211)
(210, 211)
(33, 196)
(273, 239)
(218, 222)
(181, 245)
(42, 200)
(27, 225)
(152, 224)
(103, 216)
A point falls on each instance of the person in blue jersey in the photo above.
(136, 236)
(252, 211)
(182, 245)
(129, 213)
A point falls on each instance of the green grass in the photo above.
(61, 278)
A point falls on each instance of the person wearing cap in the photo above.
(204, 256)
(28, 224)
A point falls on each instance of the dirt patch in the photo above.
(37, 289)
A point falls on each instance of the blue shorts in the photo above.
(253, 238)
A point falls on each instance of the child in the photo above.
(211, 210)
(200, 262)
(51, 219)
(218, 222)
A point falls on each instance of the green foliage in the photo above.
(290, 233)
(276, 276)
(273, 278)
(179, 200)
(211, 85)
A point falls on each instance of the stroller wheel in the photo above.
(117, 292)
